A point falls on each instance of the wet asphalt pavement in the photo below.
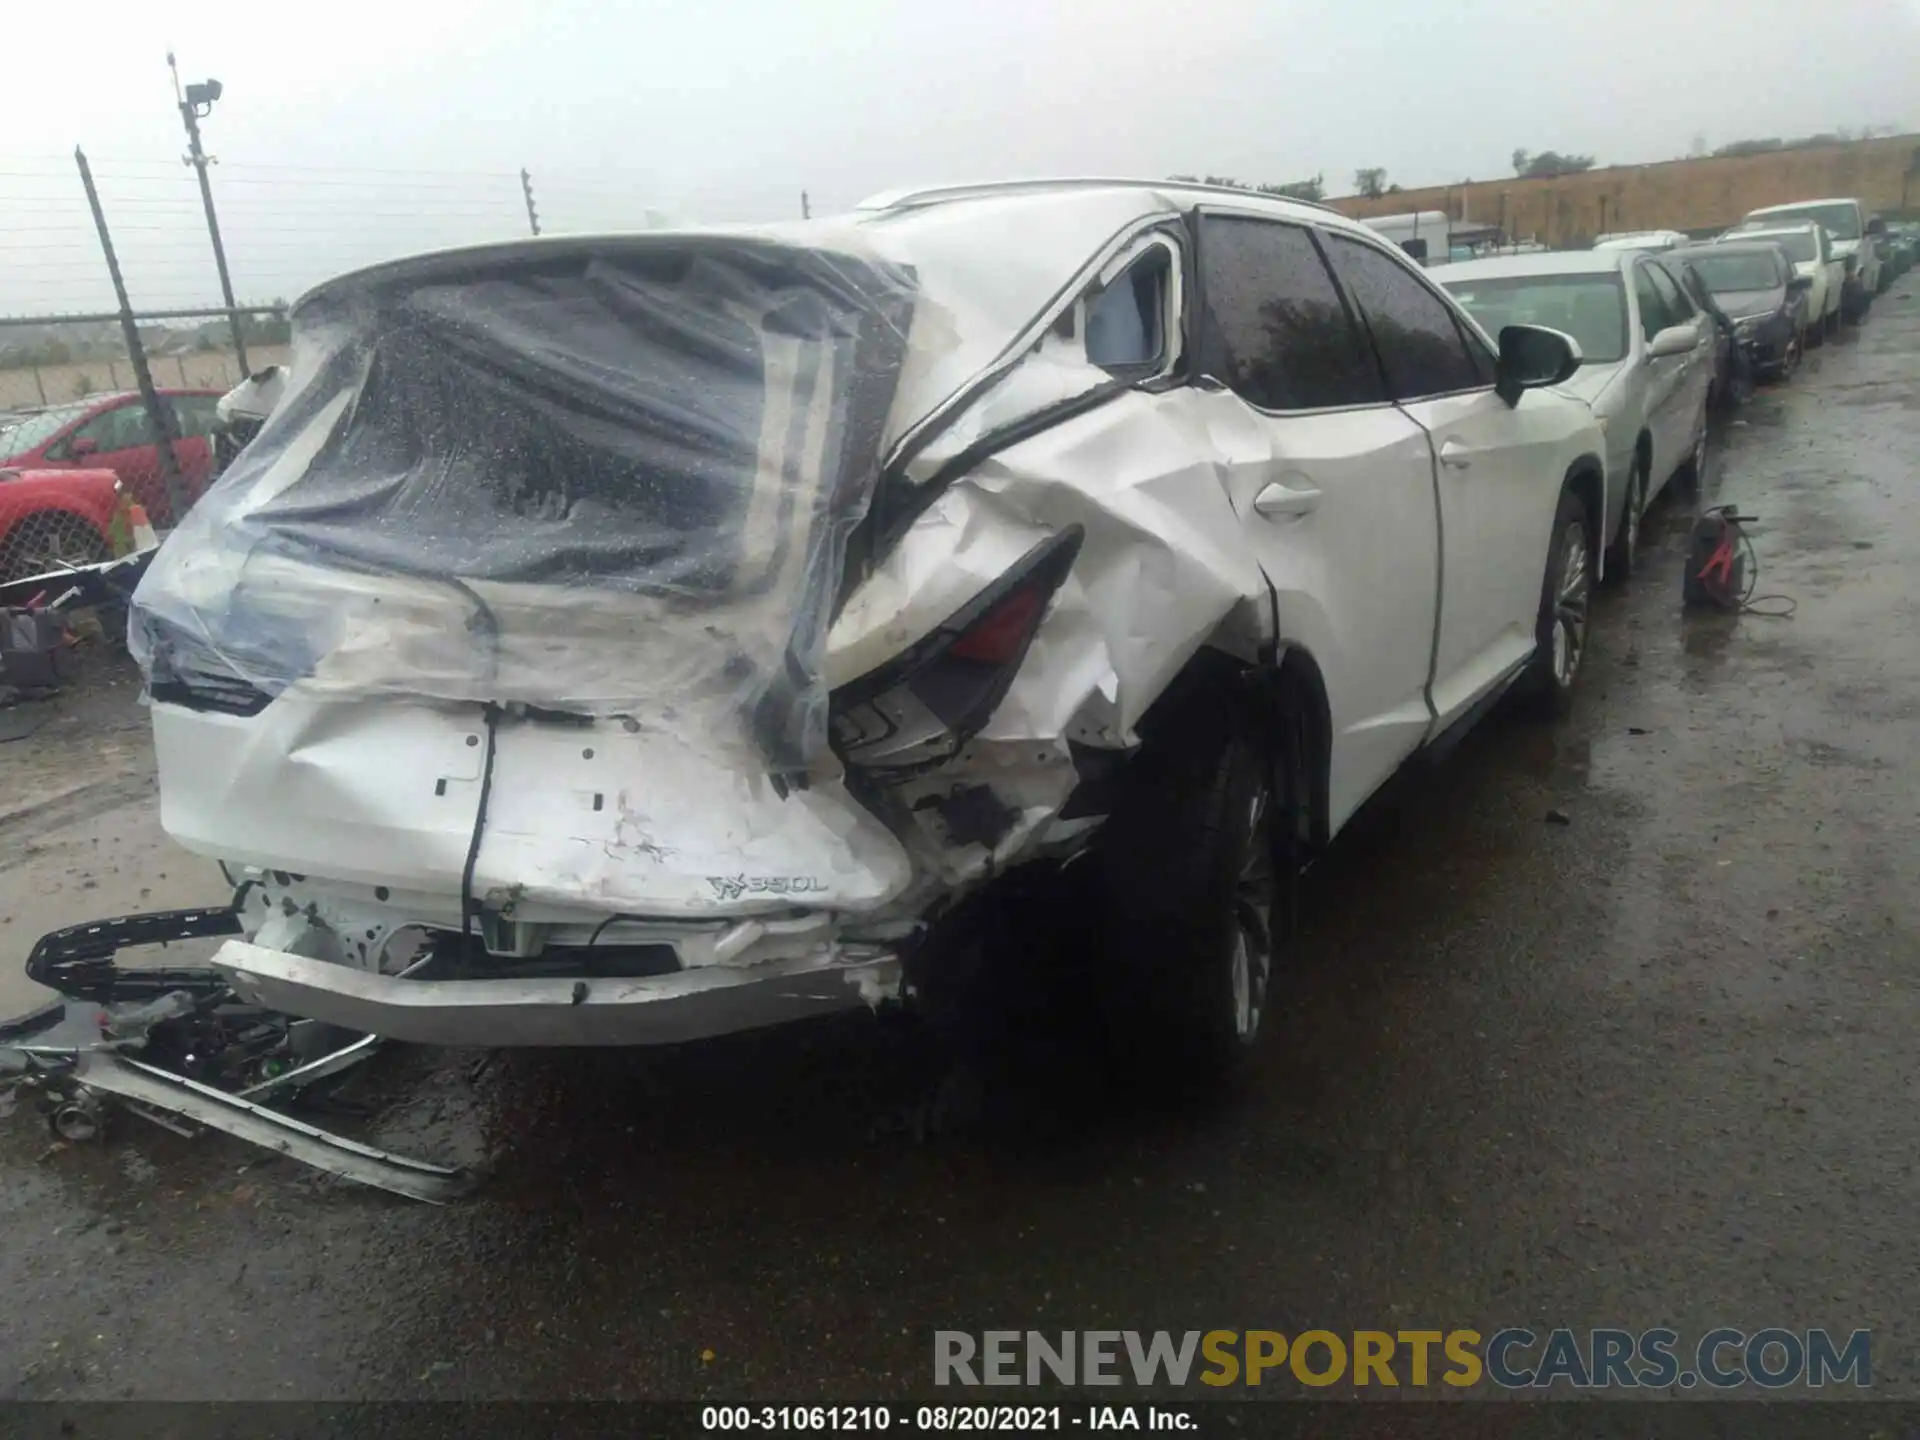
(1652, 1066)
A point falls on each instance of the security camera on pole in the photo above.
(196, 103)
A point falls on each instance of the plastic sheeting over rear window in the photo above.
(608, 477)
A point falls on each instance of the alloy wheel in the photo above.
(1253, 900)
(1571, 604)
(1630, 521)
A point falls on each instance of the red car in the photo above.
(114, 432)
(54, 518)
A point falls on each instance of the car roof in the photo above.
(993, 207)
(1756, 241)
(915, 197)
(1761, 232)
(1800, 204)
(1551, 262)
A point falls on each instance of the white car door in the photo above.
(1333, 483)
(1682, 310)
(1498, 471)
(1835, 270)
(1697, 366)
(1665, 382)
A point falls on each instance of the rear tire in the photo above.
(1790, 362)
(1623, 556)
(1196, 871)
(1566, 606)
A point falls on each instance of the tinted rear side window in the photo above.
(1414, 331)
(1273, 327)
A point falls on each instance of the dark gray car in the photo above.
(1755, 284)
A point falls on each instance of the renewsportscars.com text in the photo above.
(1514, 1358)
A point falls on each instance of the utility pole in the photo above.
(196, 102)
(526, 189)
(161, 416)
(806, 210)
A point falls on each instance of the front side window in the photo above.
(1653, 309)
(121, 428)
(193, 415)
(1420, 346)
(1590, 308)
(1272, 326)
(1679, 308)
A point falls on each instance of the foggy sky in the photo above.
(727, 109)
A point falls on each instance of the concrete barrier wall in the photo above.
(55, 384)
(1674, 195)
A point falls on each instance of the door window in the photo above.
(193, 415)
(121, 428)
(1653, 309)
(1678, 306)
(1273, 328)
(1420, 346)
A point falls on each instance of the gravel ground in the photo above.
(1651, 1066)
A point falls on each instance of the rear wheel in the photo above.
(1566, 601)
(1790, 360)
(1197, 869)
(1623, 556)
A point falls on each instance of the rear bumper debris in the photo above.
(148, 1087)
(78, 1053)
(692, 1004)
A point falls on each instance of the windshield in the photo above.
(1797, 243)
(1842, 221)
(1753, 270)
(1590, 308)
(33, 431)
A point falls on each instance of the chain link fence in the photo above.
(117, 337)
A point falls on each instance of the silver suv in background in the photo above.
(1649, 362)
(1855, 231)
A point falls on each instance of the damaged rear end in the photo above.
(631, 640)
(505, 639)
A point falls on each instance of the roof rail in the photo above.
(937, 194)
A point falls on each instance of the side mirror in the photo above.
(1799, 284)
(1674, 340)
(1532, 356)
(82, 446)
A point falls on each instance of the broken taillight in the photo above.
(921, 707)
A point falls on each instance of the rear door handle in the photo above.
(1455, 456)
(1277, 500)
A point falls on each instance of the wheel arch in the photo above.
(1587, 478)
(1275, 691)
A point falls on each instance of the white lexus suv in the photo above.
(625, 639)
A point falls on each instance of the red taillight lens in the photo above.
(999, 636)
(920, 708)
